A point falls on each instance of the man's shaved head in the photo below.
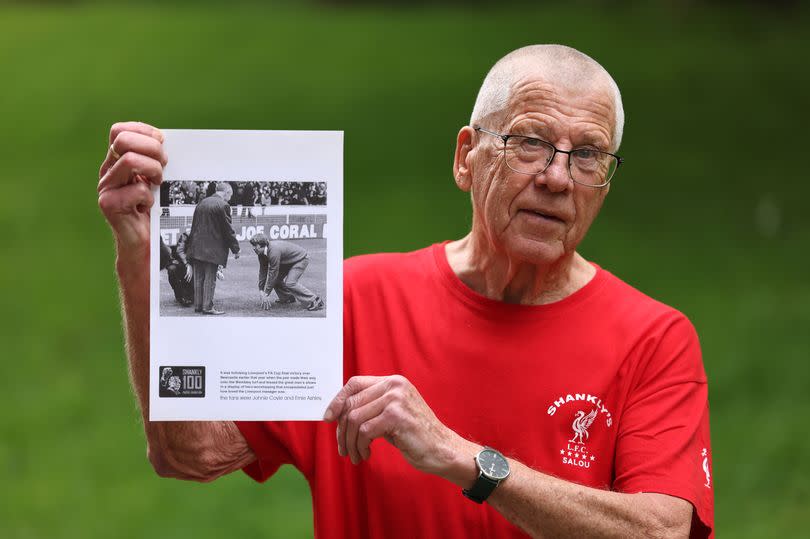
(556, 63)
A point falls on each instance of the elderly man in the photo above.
(208, 244)
(502, 367)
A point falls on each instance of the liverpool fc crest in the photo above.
(581, 425)
(575, 451)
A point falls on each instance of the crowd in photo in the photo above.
(177, 193)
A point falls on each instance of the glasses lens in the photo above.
(532, 156)
(592, 167)
(528, 155)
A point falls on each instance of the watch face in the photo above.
(492, 464)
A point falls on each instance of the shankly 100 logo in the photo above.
(179, 381)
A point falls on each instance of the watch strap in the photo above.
(481, 489)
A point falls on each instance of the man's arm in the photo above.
(227, 230)
(390, 407)
(546, 506)
(165, 254)
(200, 451)
(262, 273)
(273, 265)
(181, 248)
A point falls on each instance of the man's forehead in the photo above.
(542, 89)
(590, 101)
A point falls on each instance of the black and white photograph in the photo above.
(243, 248)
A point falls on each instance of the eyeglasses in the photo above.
(529, 155)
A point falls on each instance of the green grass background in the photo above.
(709, 214)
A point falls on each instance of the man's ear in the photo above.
(462, 171)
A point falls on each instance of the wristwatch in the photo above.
(492, 469)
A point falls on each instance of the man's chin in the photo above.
(540, 252)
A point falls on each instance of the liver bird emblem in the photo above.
(705, 456)
(581, 425)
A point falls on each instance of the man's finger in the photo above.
(354, 385)
(124, 170)
(129, 141)
(376, 427)
(129, 199)
(346, 431)
(137, 127)
(356, 419)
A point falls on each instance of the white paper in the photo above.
(282, 364)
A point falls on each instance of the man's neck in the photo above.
(498, 277)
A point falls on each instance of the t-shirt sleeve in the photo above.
(276, 443)
(663, 440)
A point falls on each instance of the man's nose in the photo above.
(556, 176)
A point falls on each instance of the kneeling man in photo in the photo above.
(281, 264)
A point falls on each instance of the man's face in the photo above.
(258, 249)
(539, 218)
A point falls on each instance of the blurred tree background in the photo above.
(709, 214)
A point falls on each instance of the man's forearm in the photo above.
(133, 278)
(272, 275)
(548, 507)
(198, 451)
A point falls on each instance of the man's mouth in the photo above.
(547, 216)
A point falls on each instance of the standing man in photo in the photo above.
(281, 264)
(211, 238)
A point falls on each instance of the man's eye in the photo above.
(586, 154)
(532, 143)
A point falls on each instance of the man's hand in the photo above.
(189, 273)
(390, 407)
(220, 273)
(265, 299)
(134, 160)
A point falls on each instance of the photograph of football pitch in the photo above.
(238, 292)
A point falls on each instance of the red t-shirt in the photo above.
(605, 388)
